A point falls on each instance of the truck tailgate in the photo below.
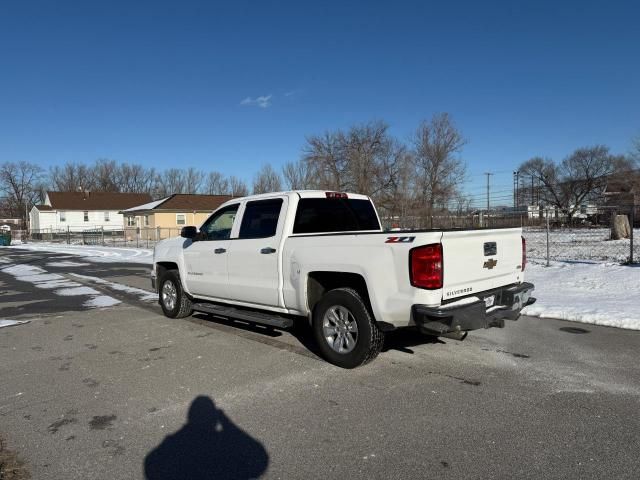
(479, 260)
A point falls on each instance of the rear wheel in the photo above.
(173, 300)
(344, 329)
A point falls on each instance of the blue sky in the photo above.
(163, 83)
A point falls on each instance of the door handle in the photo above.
(220, 250)
(268, 250)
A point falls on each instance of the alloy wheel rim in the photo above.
(340, 329)
(169, 295)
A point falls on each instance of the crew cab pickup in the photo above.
(323, 257)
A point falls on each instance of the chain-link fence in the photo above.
(145, 237)
(549, 235)
(616, 238)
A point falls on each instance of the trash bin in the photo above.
(5, 239)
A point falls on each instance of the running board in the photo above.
(270, 319)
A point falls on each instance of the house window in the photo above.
(106, 216)
(181, 218)
(63, 216)
(146, 220)
(131, 221)
(86, 216)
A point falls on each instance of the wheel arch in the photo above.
(320, 282)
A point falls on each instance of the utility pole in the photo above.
(515, 188)
(488, 174)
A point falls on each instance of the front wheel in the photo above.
(344, 329)
(173, 300)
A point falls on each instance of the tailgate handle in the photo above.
(490, 248)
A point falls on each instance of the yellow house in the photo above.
(165, 217)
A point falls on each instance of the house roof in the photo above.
(43, 208)
(184, 203)
(96, 200)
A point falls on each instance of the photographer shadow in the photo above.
(208, 446)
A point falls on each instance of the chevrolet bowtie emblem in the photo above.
(490, 264)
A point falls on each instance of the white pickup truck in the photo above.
(276, 258)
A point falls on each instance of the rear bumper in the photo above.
(461, 315)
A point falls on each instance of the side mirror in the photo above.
(189, 232)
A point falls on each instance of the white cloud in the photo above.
(262, 101)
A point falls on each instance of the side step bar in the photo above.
(270, 319)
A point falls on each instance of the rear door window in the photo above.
(260, 218)
(323, 215)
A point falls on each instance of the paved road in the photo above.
(112, 393)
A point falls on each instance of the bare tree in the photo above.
(216, 184)
(170, 181)
(635, 150)
(399, 198)
(71, 177)
(439, 170)
(580, 177)
(267, 180)
(326, 162)
(297, 175)
(106, 176)
(237, 187)
(193, 179)
(135, 178)
(21, 185)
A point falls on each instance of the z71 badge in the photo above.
(400, 239)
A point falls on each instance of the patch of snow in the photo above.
(40, 278)
(144, 295)
(57, 284)
(23, 269)
(572, 244)
(596, 293)
(75, 291)
(95, 253)
(10, 323)
(147, 206)
(66, 263)
(101, 301)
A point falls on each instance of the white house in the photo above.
(79, 211)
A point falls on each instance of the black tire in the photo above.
(369, 340)
(182, 307)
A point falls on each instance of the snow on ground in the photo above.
(144, 295)
(94, 253)
(579, 244)
(101, 301)
(10, 323)
(40, 278)
(597, 293)
(66, 263)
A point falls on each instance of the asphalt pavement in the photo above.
(123, 392)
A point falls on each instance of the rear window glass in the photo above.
(260, 219)
(322, 215)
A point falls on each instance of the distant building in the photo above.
(80, 211)
(170, 214)
(10, 224)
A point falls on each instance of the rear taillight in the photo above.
(425, 266)
(524, 254)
